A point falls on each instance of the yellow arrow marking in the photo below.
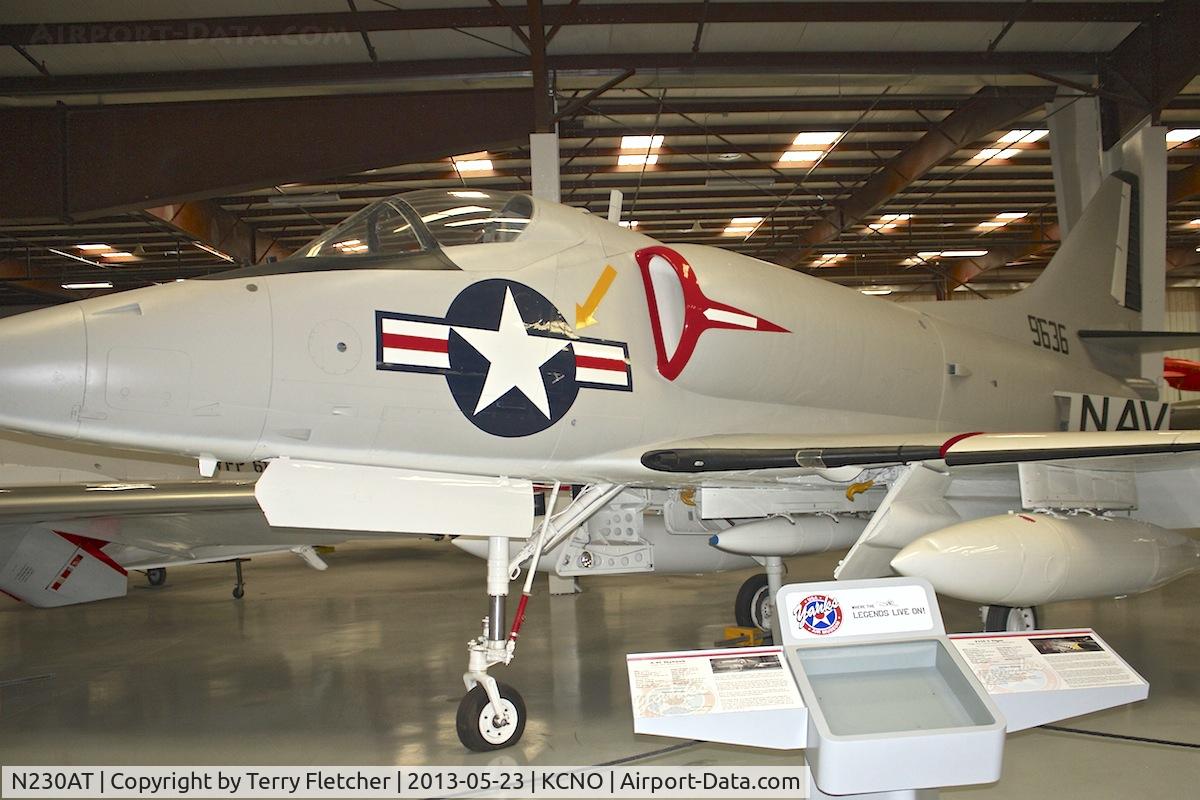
(585, 314)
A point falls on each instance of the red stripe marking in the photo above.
(953, 440)
(94, 548)
(592, 362)
(1026, 634)
(54, 588)
(424, 343)
(721, 653)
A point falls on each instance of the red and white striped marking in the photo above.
(603, 364)
(409, 343)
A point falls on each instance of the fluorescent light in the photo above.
(631, 160)
(96, 285)
(74, 257)
(993, 223)
(828, 258)
(628, 223)
(816, 137)
(473, 165)
(963, 253)
(990, 153)
(896, 217)
(1194, 222)
(876, 292)
(741, 226)
(214, 251)
(794, 156)
(469, 195)
(642, 143)
(116, 254)
(92, 248)
(1025, 136)
(1011, 215)
(1181, 135)
(929, 254)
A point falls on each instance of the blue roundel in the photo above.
(512, 365)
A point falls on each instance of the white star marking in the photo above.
(515, 358)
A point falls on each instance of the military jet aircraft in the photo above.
(76, 520)
(420, 366)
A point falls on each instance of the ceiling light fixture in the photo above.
(95, 285)
(631, 160)
(816, 137)
(468, 164)
(642, 143)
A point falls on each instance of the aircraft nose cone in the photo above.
(43, 363)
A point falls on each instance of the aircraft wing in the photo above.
(1090, 470)
(781, 455)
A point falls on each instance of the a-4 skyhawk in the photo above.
(420, 366)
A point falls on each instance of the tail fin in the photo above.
(1094, 281)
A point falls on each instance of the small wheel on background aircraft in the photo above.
(156, 576)
(238, 593)
(998, 619)
(752, 608)
(481, 729)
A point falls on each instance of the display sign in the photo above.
(1040, 661)
(698, 682)
(868, 610)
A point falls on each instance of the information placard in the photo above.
(710, 682)
(1039, 661)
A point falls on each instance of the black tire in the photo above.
(238, 593)
(999, 618)
(748, 607)
(469, 720)
(156, 576)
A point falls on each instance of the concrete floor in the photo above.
(361, 665)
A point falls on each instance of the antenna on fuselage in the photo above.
(615, 198)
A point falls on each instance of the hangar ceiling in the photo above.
(852, 140)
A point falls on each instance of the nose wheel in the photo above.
(753, 607)
(482, 726)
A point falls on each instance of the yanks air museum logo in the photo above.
(510, 359)
(819, 614)
(1091, 412)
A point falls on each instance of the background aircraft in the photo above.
(418, 367)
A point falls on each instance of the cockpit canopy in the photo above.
(426, 220)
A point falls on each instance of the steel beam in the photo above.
(1152, 65)
(204, 221)
(873, 62)
(343, 23)
(989, 110)
(1183, 184)
(16, 273)
(85, 161)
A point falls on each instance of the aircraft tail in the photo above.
(1092, 290)
(1094, 281)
